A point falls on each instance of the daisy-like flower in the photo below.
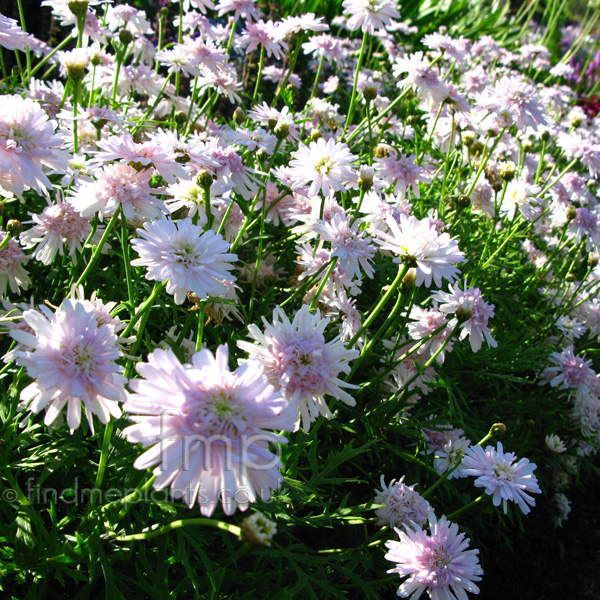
(425, 322)
(419, 244)
(570, 372)
(402, 173)
(27, 143)
(403, 504)
(300, 363)
(12, 36)
(585, 227)
(119, 185)
(555, 444)
(514, 97)
(370, 15)
(267, 35)
(325, 165)
(207, 429)
(72, 359)
(59, 224)
(12, 266)
(502, 477)
(439, 563)
(451, 457)
(353, 248)
(190, 259)
(421, 77)
(470, 311)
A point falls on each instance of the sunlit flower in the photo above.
(370, 15)
(300, 363)
(439, 563)
(72, 359)
(208, 429)
(502, 477)
(185, 256)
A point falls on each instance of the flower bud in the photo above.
(507, 172)
(78, 7)
(370, 91)
(476, 148)
(180, 117)
(545, 135)
(204, 179)
(257, 530)
(239, 116)
(575, 122)
(498, 430)
(408, 281)
(14, 227)
(315, 134)
(125, 37)
(571, 212)
(468, 137)
(282, 130)
(382, 150)
(592, 259)
(365, 177)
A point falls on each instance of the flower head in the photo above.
(185, 256)
(403, 504)
(72, 360)
(502, 477)
(207, 429)
(439, 563)
(300, 363)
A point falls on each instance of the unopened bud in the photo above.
(14, 227)
(180, 117)
(576, 122)
(468, 137)
(78, 7)
(498, 430)
(365, 177)
(370, 91)
(239, 116)
(507, 172)
(593, 260)
(204, 179)
(257, 530)
(527, 146)
(570, 277)
(1, 208)
(382, 150)
(271, 124)
(409, 280)
(545, 135)
(125, 37)
(476, 148)
(315, 134)
(282, 130)
(164, 11)
(571, 212)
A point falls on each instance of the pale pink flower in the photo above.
(264, 34)
(241, 8)
(403, 505)
(582, 147)
(324, 45)
(440, 564)
(370, 15)
(471, 312)
(12, 267)
(424, 322)
(72, 359)
(402, 173)
(514, 97)
(119, 185)
(555, 444)
(304, 22)
(27, 143)
(12, 36)
(353, 248)
(207, 429)
(300, 363)
(570, 372)
(185, 256)
(420, 77)
(451, 457)
(57, 225)
(418, 244)
(502, 477)
(325, 165)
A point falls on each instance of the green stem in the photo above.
(261, 62)
(317, 77)
(199, 521)
(145, 306)
(466, 507)
(292, 66)
(98, 250)
(27, 53)
(379, 307)
(315, 300)
(353, 97)
(200, 334)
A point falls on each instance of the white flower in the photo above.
(185, 256)
(300, 363)
(324, 165)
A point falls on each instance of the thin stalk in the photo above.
(261, 62)
(200, 333)
(317, 77)
(148, 534)
(315, 300)
(353, 98)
